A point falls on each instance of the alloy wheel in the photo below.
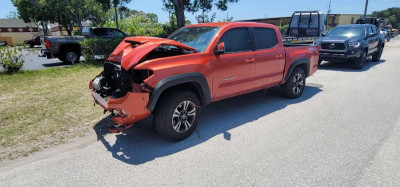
(298, 81)
(184, 116)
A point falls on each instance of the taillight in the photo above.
(47, 43)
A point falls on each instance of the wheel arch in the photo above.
(303, 63)
(195, 82)
(76, 47)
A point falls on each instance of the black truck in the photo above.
(351, 43)
(68, 49)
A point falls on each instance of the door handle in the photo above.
(279, 56)
(250, 60)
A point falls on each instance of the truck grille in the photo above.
(333, 46)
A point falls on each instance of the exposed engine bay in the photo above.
(116, 82)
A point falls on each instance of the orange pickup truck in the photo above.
(174, 78)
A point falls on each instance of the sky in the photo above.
(253, 9)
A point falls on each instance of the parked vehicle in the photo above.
(174, 78)
(305, 27)
(353, 43)
(387, 35)
(32, 42)
(3, 43)
(68, 49)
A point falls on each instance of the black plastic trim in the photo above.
(297, 63)
(176, 80)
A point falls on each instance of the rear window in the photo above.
(265, 38)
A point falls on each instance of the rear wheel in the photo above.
(177, 114)
(70, 56)
(377, 56)
(359, 62)
(294, 86)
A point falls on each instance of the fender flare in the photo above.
(169, 82)
(296, 63)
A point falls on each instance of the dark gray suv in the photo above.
(351, 43)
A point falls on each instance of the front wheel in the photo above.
(177, 115)
(376, 57)
(294, 86)
(359, 62)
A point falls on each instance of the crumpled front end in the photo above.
(115, 92)
(120, 88)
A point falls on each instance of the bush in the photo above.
(11, 59)
(98, 48)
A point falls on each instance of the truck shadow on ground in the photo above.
(348, 66)
(142, 144)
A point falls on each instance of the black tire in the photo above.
(359, 62)
(70, 56)
(170, 112)
(377, 56)
(294, 86)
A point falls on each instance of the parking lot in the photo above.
(343, 131)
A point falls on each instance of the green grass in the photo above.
(45, 107)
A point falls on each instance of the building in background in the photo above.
(58, 30)
(15, 31)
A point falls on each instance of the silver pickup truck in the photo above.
(68, 49)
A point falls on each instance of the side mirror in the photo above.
(323, 34)
(220, 48)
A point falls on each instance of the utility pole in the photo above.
(329, 7)
(365, 10)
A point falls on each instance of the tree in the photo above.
(118, 4)
(67, 13)
(390, 16)
(180, 6)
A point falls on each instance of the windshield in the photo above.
(196, 37)
(347, 31)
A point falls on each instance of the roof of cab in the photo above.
(222, 24)
(356, 25)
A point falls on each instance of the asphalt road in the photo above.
(344, 131)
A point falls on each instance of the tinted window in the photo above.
(115, 33)
(100, 32)
(374, 29)
(236, 40)
(265, 38)
(369, 30)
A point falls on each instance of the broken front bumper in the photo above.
(126, 110)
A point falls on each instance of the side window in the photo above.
(115, 33)
(236, 40)
(373, 29)
(265, 38)
(100, 32)
(369, 31)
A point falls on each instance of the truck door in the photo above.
(233, 70)
(270, 57)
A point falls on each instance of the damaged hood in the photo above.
(132, 49)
